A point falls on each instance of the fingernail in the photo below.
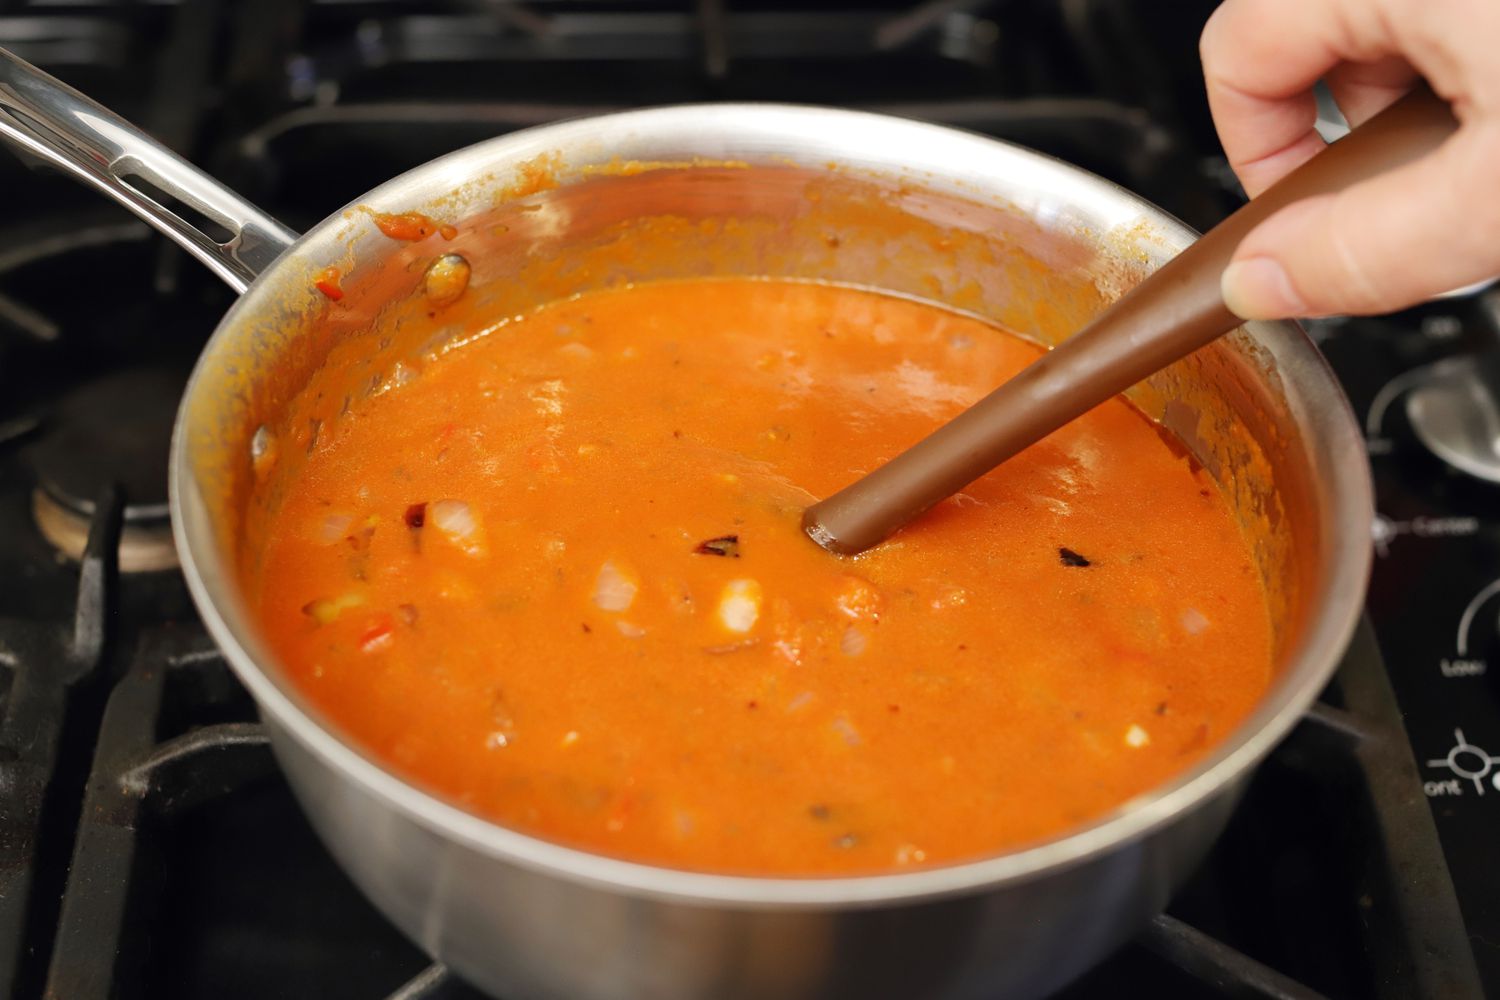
(1258, 288)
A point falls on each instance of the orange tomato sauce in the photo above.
(558, 578)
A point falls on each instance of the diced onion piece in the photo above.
(858, 598)
(682, 822)
(456, 520)
(1137, 737)
(853, 641)
(629, 630)
(1194, 622)
(335, 528)
(614, 588)
(789, 650)
(739, 605)
(846, 730)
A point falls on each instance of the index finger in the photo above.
(1260, 61)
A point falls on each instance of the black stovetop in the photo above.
(149, 848)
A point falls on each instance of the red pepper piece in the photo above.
(408, 226)
(327, 282)
(379, 636)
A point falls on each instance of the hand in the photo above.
(1396, 239)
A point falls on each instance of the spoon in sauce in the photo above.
(1173, 312)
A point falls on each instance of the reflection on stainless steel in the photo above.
(1456, 416)
(45, 117)
(1455, 409)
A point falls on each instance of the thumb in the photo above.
(1389, 242)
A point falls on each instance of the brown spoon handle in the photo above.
(1170, 314)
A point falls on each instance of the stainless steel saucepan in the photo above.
(755, 189)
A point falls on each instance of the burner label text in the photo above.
(1463, 668)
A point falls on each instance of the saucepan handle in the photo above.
(45, 116)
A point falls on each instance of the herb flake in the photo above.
(724, 545)
(1071, 558)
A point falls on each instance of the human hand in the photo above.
(1395, 239)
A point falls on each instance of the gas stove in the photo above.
(148, 846)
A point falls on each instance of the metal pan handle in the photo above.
(45, 116)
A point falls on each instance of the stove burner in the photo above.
(114, 429)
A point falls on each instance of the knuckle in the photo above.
(1352, 281)
(1474, 183)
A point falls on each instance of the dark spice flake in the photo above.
(416, 515)
(1071, 558)
(724, 545)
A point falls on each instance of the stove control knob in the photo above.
(1456, 413)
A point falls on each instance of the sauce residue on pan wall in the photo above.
(549, 567)
(552, 234)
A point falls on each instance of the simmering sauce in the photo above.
(558, 577)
